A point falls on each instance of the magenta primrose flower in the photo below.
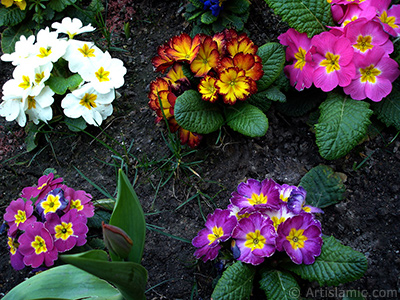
(219, 226)
(54, 202)
(36, 245)
(68, 231)
(46, 183)
(16, 258)
(19, 215)
(354, 12)
(300, 237)
(255, 237)
(389, 17)
(333, 56)
(374, 77)
(253, 195)
(80, 200)
(279, 216)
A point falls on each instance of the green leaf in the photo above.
(388, 110)
(274, 94)
(337, 264)
(279, 285)
(234, 20)
(208, 17)
(59, 85)
(238, 7)
(273, 60)
(196, 115)
(260, 100)
(75, 125)
(324, 187)
(98, 217)
(197, 3)
(60, 5)
(310, 16)
(343, 123)
(130, 278)
(11, 35)
(128, 215)
(11, 16)
(247, 119)
(67, 282)
(235, 283)
(32, 137)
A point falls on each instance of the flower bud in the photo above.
(116, 240)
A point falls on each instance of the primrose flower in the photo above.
(241, 44)
(219, 226)
(375, 73)
(296, 202)
(20, 3)
(39, 106)
(88, 103)
(207, 89)
(183, 47)
(187, 137)
(48, 47)
(36, 245)
(19, 215)
(278, 216)
(206, 59)
(255, 238)
(22, 83)
(46, 183)
(160, 92)
(300, 237)
(72, 27)
(54, 202)
(13, 108)
(162, 61)
(284, 191)
(16, 258)
(253, 195)
(68, 231)
(79, 200)
(23, 49)
(389, 18)
(355, 12)
(178, 81)
(333, 57)
(81, 55)
(233, 85)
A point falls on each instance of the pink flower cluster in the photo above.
(353, 55)
(47, 219)
(263, 217)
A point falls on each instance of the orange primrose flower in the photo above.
(167, 99)
(241, 44)
(207, 89)
(185, 136)
(206, 59)
(183, 48)
(162, 61)
(176, 76)
(156, 86)
(233, 84)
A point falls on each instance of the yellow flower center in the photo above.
(301, 59)
(31, 102)
(388, 20)
(348, 21)
(64, 231)
(363, 43)
(277, 221)
(71, 35)
(44, 52)
(369, 74)
(217, 232)
(13, 245)
(88, 101)
(102, 75)
(39, 77)
(296, 238)
(258, 199)
(20, 217)
(51, 204)
(26, 82)
(76, 204)
(86, 51)
(42, 186)
(39, 245)
(254, 240)
(331, 62)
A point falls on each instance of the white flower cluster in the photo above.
(28, 94)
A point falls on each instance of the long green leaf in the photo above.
(128, 215)
(130, 278)
(64, 282)
(310, 16)
(236, 283)
(273, 60)
(337, 264)
(343, 123)
(279, 285)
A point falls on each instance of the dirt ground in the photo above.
(367, 220)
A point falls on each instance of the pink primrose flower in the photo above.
(36, 245)
(298, 51)
(219, 226)
(46, 183)
(333, 57)
(80, 200)
(68, 231)
(389, 18)
(19, 215)
(374, 77)
(255, 238)
(53, 202)
(16, 258)
(300, 237)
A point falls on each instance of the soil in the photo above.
(367, 220)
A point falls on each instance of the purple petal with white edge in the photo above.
(296, 200)
(247, 189)
(296, 255)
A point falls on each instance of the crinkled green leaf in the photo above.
(260, 100)
(341, 126)
(310, 16)
(11, 16)
(388, 110)
(234, 20)
(130, 278)
(274, 94)
(273, 60)
(196, 115)
(197, 3)
(247, 119)
(11, 35)
(337, 264)
(60, 5)
(59, 85)
(279, 285)
(235, 283)
(208, 17)
(237, 6)
(67, 282)
(324, 187)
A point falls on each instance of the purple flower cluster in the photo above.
(263, 217)
(48, 218)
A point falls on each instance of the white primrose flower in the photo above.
(105, 73)
(88, 103)
(81, 55)
(23, 49)
(13, 108)
(48, 47)
(22, 82)
(72, 27)
(39, 107)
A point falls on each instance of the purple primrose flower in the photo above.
(54, 202)
(46, 183)
(19, 215)
(80, 200)
(16, 258)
